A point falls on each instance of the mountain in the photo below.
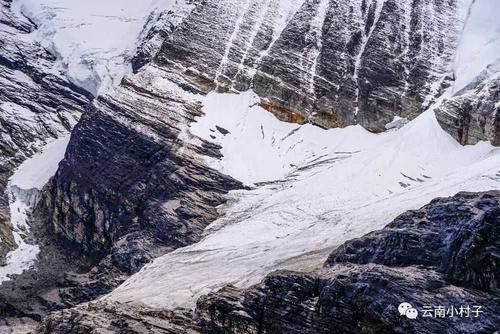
(359, 288)
(37, 105)
(220, 141)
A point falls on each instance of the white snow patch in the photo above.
(14, 110)
(334, 185)
(36, 171)
(285, 11)
(25, 254)
(316, 34)
(480, 44)
(232, 40)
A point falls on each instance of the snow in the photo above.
(25, 254)
(480, 43)
(23, 188)
(232, 40)
(94, 40)
(323, 187)
(284, 12)
(36, 171)
(14, 110)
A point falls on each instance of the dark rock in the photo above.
(459, 237)
(473, 114)
(361, 65)
(419, 258)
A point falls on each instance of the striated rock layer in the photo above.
(128, 190)
(333, 63)
(473, 114)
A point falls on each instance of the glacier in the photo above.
(312, 189)
(308, 189)
(23, 189)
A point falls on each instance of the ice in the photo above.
(323, 187)
(480, 43)
(94, 40)
(25, 254)
(232, 40)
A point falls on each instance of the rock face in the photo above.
(132, 185)
(128, 190)
(390, 56)
(444, 254)
(359, 289)
(472, 115)
(458, 237)
(36, 103)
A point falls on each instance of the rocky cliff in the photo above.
(391, 58)
(444, 254)
(473, 115)
(36, 103)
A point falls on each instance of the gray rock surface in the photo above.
(127, 190)
(36, 104)
(359, 289)
(333, 63)
(472, 115)
(444, 254)
(131, 187)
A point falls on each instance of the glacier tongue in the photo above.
(314, 189)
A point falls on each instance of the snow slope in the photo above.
(93, 39)
(321, 188)
(479, 49)
(24, 185)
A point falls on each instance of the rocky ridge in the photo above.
(472, 115)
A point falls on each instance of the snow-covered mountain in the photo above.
(229, 139)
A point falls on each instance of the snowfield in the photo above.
(310, 189)
(313, 190)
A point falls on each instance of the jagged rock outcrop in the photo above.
(132, 185)
(458, 237)
(421, 258)
(359, 289)
(36, 103)
(473, 114)
(333, 63)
